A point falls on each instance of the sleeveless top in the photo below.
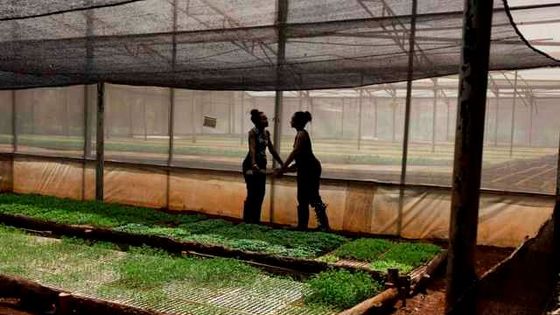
(261, 142)
(305, 159)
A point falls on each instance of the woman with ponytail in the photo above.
(254, 166)
(308, 174)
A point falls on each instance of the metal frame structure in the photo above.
(469, 132)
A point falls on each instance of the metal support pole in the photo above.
(14, 122)
(87, 141)
(556, 212)
(171, 121)
(100, 142)
(66, 124)
(130, 120)
(512, 131)
(394, 108)
(411, 53)
(360, 101)
(87, 110)
(342, 118)
(171, 125)
(434, 122)
(282, 17)
(375, 113)
(497, 117)
(171, 118)
(278, 101)
(448, 121)
(87, 123)
(532, 103)
(409, 77)
(230, 111)
(144, 119)
(32, 112)
(469, 138)
(87, 127)
(311, 108)
(242, 132)
(193, 119)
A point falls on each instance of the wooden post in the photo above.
(100, 141)
(469, 137)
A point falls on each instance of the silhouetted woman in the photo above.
(254, 166)
(308, 174)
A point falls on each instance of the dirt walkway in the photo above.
(9, 307)
(432, 301)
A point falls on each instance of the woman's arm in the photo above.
(272, 150)
(297, 148)
(253, 150)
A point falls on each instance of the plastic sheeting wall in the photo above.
(6, 183)
(357, 133)
(54, 178)
(353, 207)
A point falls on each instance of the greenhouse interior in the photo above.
(124, 125)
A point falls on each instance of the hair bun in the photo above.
(308, 116)
(255, 112)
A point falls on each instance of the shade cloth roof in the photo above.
(234, 45)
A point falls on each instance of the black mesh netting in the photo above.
(224, 45)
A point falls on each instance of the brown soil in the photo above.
(10, 307)
(432, 301)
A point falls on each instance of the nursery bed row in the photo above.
(156, 281)
(304, 251)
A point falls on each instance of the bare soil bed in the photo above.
(432, 301)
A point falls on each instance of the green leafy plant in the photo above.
(341, 288)
(200, 229)
(147, 267)
(406, 256)
(363, 249)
